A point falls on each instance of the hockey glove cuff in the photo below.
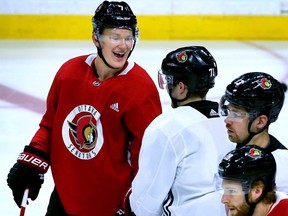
(28, 172)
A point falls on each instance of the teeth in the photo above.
(119, 54)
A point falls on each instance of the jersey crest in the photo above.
(82, 132)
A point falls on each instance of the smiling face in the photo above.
(234, 198)
(116, 45)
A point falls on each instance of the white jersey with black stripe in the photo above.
(178, 165)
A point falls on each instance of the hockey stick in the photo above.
(24, 202)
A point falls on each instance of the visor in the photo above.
(229, 113)
(165, 81)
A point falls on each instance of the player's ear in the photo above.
(181, 86)
(256, 192)
(262, 121)
(95, 39)
(181, 90)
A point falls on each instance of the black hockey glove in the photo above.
(120, 212)
(28, 172)
(126, 204)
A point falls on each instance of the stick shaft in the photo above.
(24, 202)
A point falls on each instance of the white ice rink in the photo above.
(28, 67)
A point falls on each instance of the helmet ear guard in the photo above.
(223, 107)
(165, 81)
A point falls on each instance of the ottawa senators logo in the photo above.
(265, 83)
(182, 57)
(254, 153)
(82, 132)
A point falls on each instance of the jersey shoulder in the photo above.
(136, 74)
(76, 65)
(281, 208)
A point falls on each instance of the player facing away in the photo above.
(181, 148)
(97, 110)
(248, 176)
(250, 104)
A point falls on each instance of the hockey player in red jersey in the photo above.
(249, 183)
(97, 110)
(181, 148)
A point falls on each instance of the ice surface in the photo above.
(27, 69)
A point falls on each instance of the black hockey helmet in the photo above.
(114, 15)
(248, 164)
(258, 93)
(192, 65)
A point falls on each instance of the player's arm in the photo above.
(143, 111)
(157, 169)
(33, 162)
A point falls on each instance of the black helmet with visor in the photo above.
(257, 92)
(112, 14)
(192, 65)
(248, 165)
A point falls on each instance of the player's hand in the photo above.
(126, 209)
(28, 172)
(120, 212)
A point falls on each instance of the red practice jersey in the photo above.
(92, 131)
(280, 207)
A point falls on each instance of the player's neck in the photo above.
(103, 71)
(190, 99)
(261, 139)
(262, 209)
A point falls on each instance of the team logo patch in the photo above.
(82, 132)
(254, 153)
(182, 57)
(265, 83)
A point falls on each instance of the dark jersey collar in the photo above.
(272, 145)
(207, 108)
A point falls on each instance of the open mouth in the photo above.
(119, 54)
(231, 210)
(229, 131)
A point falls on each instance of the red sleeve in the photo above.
(42, 138)
(146, 106)
(281, 209)
(137, 122)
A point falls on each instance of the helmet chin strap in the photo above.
(174, 100)
(100, 54)
(251, 134)
(253, 205)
